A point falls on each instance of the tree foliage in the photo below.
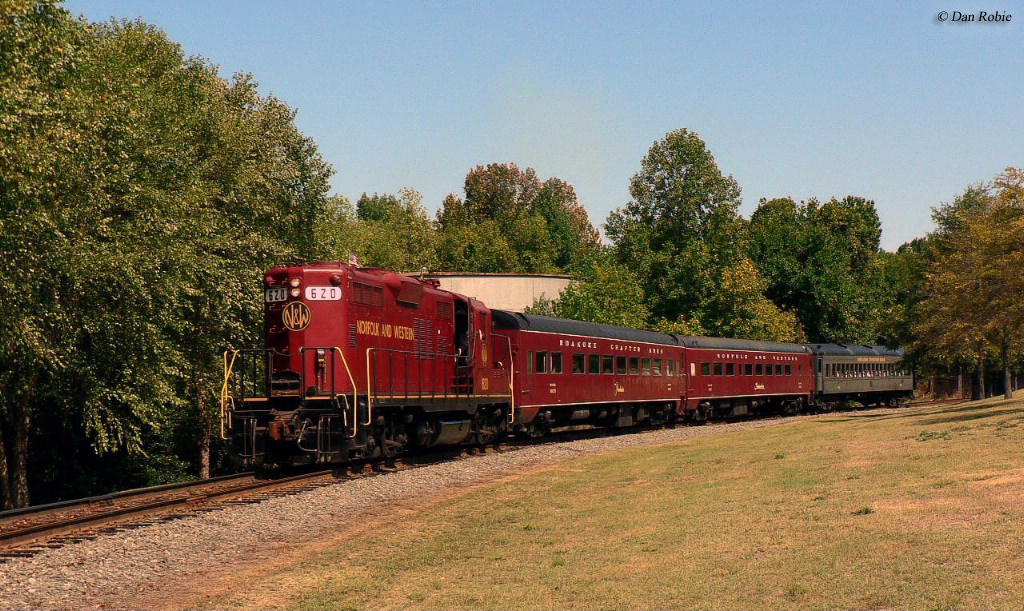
(821, 262)
(682, 235)
(541, 225)
(390, 231)
(973, 293)
(142, 197)
(611, 295)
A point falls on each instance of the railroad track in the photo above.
(32, 530)
(35, 529)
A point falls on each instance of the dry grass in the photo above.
(917, 508)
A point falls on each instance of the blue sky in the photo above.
(814, 99)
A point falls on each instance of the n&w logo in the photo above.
(296, 316)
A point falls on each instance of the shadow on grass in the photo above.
(937, 416)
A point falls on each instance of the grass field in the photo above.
(918, 508)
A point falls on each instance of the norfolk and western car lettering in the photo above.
(378, 329)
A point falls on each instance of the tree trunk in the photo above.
(21, 420)
(203, 412)
(960, 382)
(1008, 391)
(6, 501)
(979, 392)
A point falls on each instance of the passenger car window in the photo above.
(620, 365)
(579, 363)
(540, 362)
(556, 362)
(594, 363)
(730, 369)
(634, 365)
(607, 362)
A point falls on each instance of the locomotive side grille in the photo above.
(352, 335)
(366, 294)
(423, 329)
(418, 338)
(444, 310)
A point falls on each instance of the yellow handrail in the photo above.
(355, 405)
(511, 382)
(369, 391)
(225, 392)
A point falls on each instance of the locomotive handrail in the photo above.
(511, 381)
(355, 404)
(226, 396)
(448, 389)
(225, 392)
(335, 395)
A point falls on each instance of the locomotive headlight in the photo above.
(336, 280)
(295, 282)
(295, 292)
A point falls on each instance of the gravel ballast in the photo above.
(101, 573)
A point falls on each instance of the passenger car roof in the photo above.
(853, 350)
(505, 320)
(724, 343)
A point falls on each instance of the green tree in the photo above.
(542, 223)
(394, 232)
(136, 222)
(38, 47)
(681, 233)
(612, 295)
(973, 292)
(821, 262)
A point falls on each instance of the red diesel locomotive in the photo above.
(363, 362)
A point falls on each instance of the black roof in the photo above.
(853, 350)
(723, 343)
(531, 322)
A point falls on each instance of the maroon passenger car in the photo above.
(732, 377)
(571, 372)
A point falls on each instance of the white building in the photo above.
(513, 292)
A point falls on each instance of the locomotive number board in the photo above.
(323, 293)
